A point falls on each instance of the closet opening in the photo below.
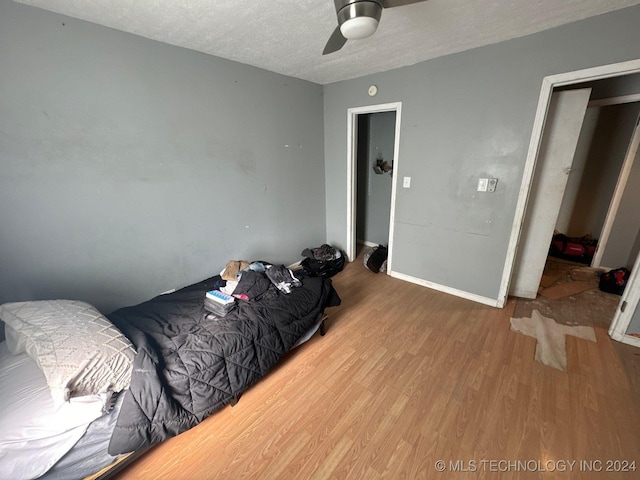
(374, 172)
(372, 163)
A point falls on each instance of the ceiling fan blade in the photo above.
(399, 3)
(335, 43)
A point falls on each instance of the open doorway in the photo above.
(370, 219)
(525, 235)
(376, 137)
(569, 289)
(600, 205)
(619, 241)
(598, 213)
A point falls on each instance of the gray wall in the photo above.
(602, 146)
(465, 116)
(635, 251)
(374, 190)
(129, 167)
(625, 228)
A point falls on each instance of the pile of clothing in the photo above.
(252, 280)
(323, 253)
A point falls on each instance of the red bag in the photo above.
(614, 281)
(578, 249)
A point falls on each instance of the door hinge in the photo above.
(623, 307)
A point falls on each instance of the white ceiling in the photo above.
(288, 36)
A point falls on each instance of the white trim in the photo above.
(442, 288)
(548, 84)
(352, 142)
(352, 155)
(394, 184)
(606, 102)
(621, 184)
(630, 340)
(366, 243)
(595, 73)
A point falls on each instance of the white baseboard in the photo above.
(367, 243)
(492, 302)
(631, 340)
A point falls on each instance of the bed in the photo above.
(175, 364)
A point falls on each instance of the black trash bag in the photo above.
(377, 258)
(324, 261)
(318, 268)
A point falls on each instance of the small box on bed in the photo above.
(219, 303)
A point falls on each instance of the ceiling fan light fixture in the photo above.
(359, 18)
(359, 27)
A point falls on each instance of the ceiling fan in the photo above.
(358, 19)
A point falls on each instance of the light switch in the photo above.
(482, 184)
(406, 182)
(491, 186)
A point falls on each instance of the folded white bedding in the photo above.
(77, 348)
(33, 434)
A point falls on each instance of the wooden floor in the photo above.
(405, 377)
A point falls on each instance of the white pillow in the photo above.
(77, 348)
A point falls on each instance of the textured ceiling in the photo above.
(288, 36)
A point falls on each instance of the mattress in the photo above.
(72, 440)
(30, 443)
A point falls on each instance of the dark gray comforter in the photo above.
(187, 366)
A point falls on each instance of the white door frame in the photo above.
(626, 308)
(621, 184)
(352, 156)
(548, 84)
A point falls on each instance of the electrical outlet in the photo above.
(492, 184)
(482, 184)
